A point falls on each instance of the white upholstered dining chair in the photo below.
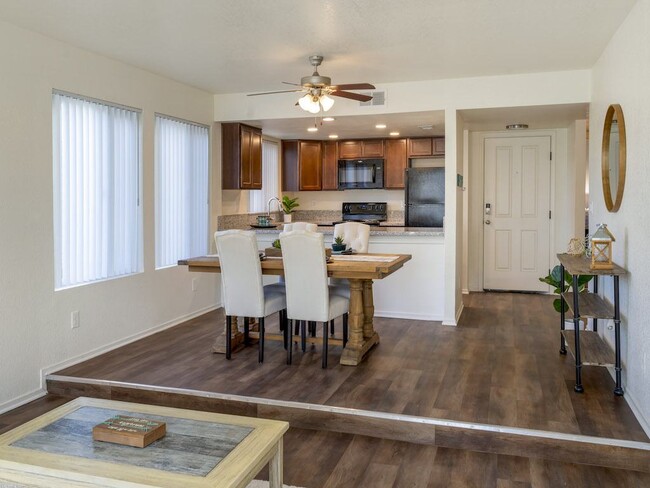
(300, 226)
(243, 292)
(308, 293)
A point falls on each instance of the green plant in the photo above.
(561, 285)
(276, 244)
(288, 204)
(338, 240)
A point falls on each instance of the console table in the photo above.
(587, 347)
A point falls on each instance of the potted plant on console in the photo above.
(338, 245)
(288, 204)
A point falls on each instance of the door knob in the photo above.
(488, 222)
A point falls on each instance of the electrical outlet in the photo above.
(74, 319)
(195, 284)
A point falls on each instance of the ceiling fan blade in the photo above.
(351, 96)
(289, 83)
(355, 86)
(272, 92)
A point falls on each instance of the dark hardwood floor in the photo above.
(500, 365)
(320, 459)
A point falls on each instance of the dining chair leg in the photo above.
(246, 331)
(288, 332)
(324, 345)
(297, 328)
(303, 335)
(284, 329)
(312, 329)
(281, 319)
(332, 327)
(345, 329)
(260, 344)
(228, 335)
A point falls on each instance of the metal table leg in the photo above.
(562, 315)
(617, 337)
(576, 325)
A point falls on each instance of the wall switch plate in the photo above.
(195, 284)
(74, 319)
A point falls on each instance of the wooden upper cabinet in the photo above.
(365, 148)
(426, 147)
(330, 166)
(301, 165)
(395, 163)
(241, 157)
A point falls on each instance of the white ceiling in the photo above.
(230, 46)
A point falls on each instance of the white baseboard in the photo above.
(634, 405)
(22, 400)
(121, 342)
(410, 316)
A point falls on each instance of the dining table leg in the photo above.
(359, 323)
(236, 338)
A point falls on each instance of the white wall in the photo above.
(622, 75)
(34, 319)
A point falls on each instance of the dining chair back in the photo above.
(300, 226)
(244, 294)
(307, 291)
(355, 234)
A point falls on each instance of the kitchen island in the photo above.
(415, 293)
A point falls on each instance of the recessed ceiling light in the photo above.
(516, 126)
(425, 127)
(312, 129)
(328, 119)
(334, 136)
(380, 126)
(394, 134)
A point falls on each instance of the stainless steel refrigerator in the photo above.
(425, 197)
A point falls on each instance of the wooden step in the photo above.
(487, 438)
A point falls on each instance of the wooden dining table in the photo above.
(359, 269)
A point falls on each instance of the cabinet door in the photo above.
(256, 161)
(245, 171)
(350, 149)
(439, 146)
(420, 147)
(373, 148)
(310, 165)
(330, 166)
(395, 163)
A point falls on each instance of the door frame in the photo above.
(477, 195)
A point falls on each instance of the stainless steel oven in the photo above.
(361, 173)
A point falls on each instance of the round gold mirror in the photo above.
(614, 157)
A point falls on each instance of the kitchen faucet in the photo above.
(268, 206)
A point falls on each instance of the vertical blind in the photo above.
(270, 179)
(182, 202)
(97, 215)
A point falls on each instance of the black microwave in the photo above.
(361, 173)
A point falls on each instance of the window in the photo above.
(182, 183)
(270, 179)
(97, 213)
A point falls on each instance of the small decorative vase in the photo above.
(338, 247)
(287, 218)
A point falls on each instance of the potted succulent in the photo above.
(338, 245)
(288, 204)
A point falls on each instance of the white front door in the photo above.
(516, 213)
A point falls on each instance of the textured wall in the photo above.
(622, 75)
(34, 319)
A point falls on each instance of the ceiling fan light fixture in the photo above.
(306, 102)
(326, 102)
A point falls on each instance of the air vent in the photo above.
(378, 98)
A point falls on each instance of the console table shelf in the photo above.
(587, 347)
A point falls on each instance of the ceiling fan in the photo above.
(317, 90)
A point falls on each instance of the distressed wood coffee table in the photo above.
(200, 449)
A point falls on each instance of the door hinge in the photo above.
(549, 214)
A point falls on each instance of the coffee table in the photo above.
(200, 449)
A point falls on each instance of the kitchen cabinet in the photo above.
(365, 148)
(301, 165)
(395, 163)
(330, 166)
(587, 347)
(241, 157)
(426, 147)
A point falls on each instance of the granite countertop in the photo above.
(385, 229)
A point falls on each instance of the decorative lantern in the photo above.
(601, 248)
